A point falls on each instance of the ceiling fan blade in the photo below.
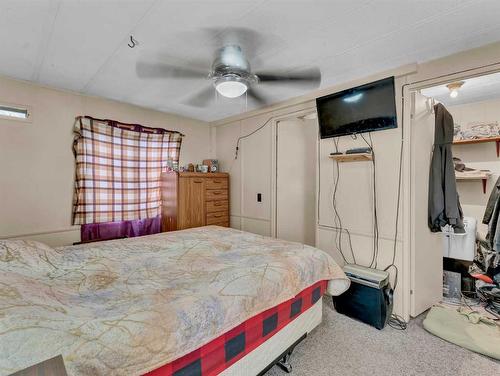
(252, 42)
(160, 70)
(256, 96)
(248, 39)
(310, 77)
(202, 98)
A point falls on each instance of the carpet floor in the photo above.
(342, 346)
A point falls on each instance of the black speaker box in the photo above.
(370, 305)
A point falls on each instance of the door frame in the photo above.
(274, 163)
(408, 230)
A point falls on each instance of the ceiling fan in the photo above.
(230, 73)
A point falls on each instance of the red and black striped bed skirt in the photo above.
(219, 354)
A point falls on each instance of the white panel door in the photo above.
(296, 154)
(426, 247)
(256, 157)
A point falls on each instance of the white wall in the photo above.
(252, 172)
(227, 131)
(296, 175)
(478, 156)
(36, 159)
(355, 198)
(249, 174)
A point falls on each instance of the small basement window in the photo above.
(14, 112)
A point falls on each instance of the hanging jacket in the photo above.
(490, 217)
(490, 206)
(444, 203)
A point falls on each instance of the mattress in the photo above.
(134, 305)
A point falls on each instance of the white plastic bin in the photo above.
(461, 246)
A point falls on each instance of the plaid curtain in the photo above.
(118, 169)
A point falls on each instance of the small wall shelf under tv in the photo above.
(358, 157)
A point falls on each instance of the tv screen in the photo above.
(370, 107)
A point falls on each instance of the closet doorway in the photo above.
(426, 281)
(296, 162)
(440, 262)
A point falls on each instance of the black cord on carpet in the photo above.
(397, 322)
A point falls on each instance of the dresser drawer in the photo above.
(215, 218)
(216, 194)
(217, 206)
(222, 224)
(216, 183)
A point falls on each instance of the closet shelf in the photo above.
(479, 141)
(359, 157)
(482, 177)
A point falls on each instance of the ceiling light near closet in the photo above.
(454, 87)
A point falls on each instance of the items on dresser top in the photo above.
(213, 164)
(194, 199)
(208, 165)
(202, 168)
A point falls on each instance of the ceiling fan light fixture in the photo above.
(231, 88)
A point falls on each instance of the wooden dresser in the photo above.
(192, 199)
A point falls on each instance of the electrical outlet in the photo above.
(259, 197)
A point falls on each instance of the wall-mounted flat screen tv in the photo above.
(366, 108)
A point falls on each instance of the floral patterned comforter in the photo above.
(125, 307)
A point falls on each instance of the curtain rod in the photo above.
(131, 124)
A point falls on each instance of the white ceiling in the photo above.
(475, 89)
(82, 45)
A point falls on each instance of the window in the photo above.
(118, 168)
(14, 112)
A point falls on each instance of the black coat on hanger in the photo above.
(444, 203)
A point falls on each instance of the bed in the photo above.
(203, 301)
